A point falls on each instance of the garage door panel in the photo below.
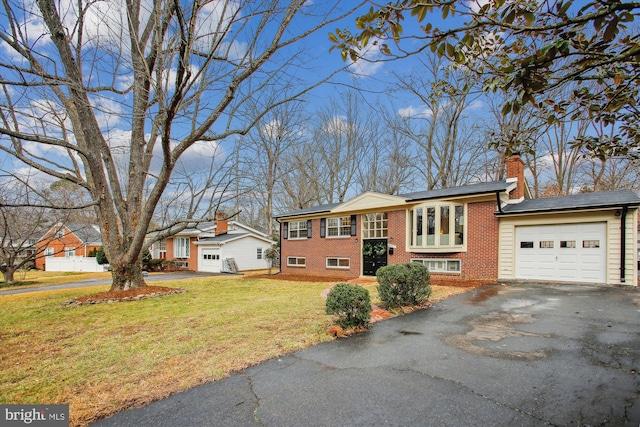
(567, 252)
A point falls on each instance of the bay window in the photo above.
(435, 226)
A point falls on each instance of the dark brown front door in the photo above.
(374, 256)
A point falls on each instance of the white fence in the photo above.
(88, 264)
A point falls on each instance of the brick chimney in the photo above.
(515, 171)
(221, 223)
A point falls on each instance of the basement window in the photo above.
(441, 265)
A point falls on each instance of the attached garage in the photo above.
(562, 252)
(582, 238)
(210, 260)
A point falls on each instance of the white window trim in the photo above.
(297, 258)
(446, 261)
(383, 231)
(178, 250)
(49, 252)
(301, 225)
(412, 222)
(340, 227)
(338, 267)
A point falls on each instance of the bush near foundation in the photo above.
(351, 303)
(404, 284)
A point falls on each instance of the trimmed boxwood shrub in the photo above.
(404, 284)
(351, 303)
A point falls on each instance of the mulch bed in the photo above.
(128, 295)
(435, 280)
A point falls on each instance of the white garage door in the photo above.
(566, 252)
(210, 260)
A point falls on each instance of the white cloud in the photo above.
(412, 112)
(370, 62)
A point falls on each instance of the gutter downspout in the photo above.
(279, 244)
(623, 242)
(499, 202)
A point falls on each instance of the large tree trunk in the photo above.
(127, 276)
(8, 273)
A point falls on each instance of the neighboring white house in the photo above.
(220, 246)
(242, 244)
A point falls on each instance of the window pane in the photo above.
(546, 244)
(459, 220)
(444, 225)
(526, 245)
(591, 243)
(453, 265)
(419, 226)
(569, 244)
(431, 226)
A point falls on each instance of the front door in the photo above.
(374, 256)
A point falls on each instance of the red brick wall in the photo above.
(317, 249)
(479, 262)
(515, 169)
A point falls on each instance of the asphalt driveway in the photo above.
(502, 355)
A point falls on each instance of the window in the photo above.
(441, 265)
(338, 262)
(526, 245)
(181, 247)
(590, 244)
(69, 252)
(160, 249)
(49, 252)
(60, 233)
(298, 229)
(294, 261)
(259, 253)
(374, 225)
(339, 227)
(568, 244)
(546, 244)
(438, 226)
(211, 257)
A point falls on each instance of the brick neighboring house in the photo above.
(207, 247)
(69, 241)
(490, 230)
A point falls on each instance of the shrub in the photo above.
(351, 303)
(101, 257)
(403, 284)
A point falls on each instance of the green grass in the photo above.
(104, 358)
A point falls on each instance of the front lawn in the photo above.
(108, 357)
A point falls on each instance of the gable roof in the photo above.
(308, 211)
(372, 200)
(465, 190)
(226, 238)
(596, 200)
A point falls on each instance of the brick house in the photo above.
(491, 230)
(68, 241)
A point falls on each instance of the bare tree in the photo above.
(341, 139)
(112, 95)
(261, 154)
(386, 166)
(446, 142)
